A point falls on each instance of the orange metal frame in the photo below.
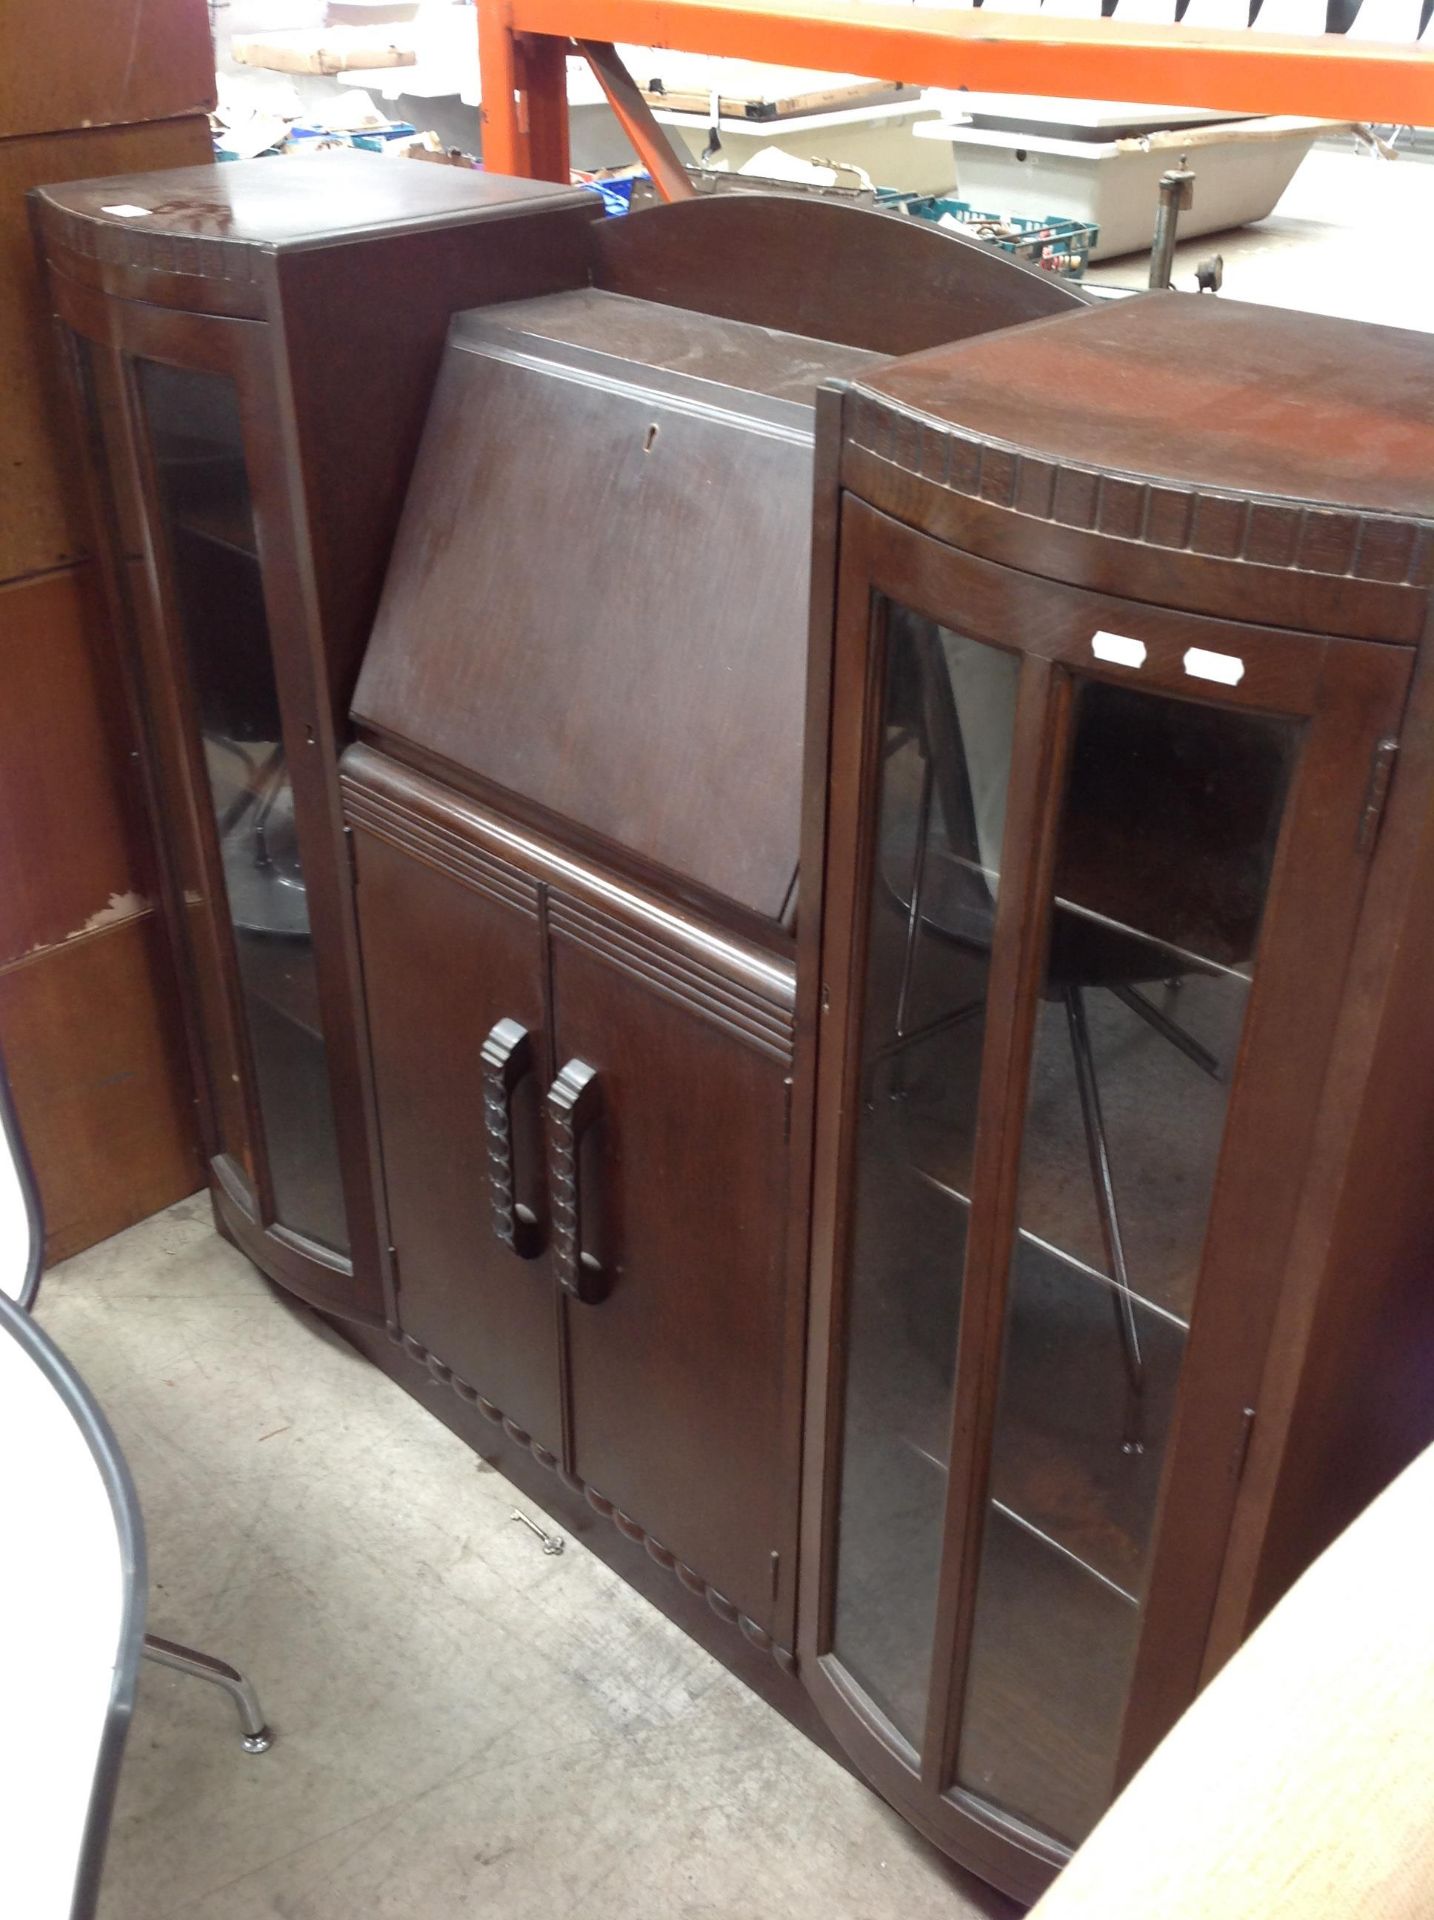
(523, 45)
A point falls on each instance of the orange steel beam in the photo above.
(1326, 76)
(504, 113)
(542, 77)
(635, 118)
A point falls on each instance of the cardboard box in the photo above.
(328, 50)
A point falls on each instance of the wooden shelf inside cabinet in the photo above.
(219, 523)
(288, 989)
(1127, 615)
(1061, 1469)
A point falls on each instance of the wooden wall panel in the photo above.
(88, 1019)
(40, 526)
(95, 1056)
(88, 1002)
(74, 846)
(103, 63)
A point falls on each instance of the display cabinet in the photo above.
(1110, 1330)
(251, 349)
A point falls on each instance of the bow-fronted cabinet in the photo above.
(1111, 1318)
(250, 349)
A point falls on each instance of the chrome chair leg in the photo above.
(918, 889)
(1167, 1028)
(1101, 1178)
(258, 1737)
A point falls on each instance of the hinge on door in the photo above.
(787, 1111)
(1242, 1445)
(776, 1572)
(393, 1268)
(1381, 772)
(352, 847)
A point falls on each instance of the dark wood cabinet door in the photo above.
(452, 948)
(1094, 870)
(205, 556)
(684, 1375)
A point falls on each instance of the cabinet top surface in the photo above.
(317, 200)
(1198, 392)
(643, 333)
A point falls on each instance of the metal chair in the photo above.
(22, 1233)
(71, 1621)
(22, 1237)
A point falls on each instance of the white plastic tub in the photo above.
(1241, 167)
(877, 139)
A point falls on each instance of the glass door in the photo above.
(929, 916)
(207, 531)
(1072, 1043)
(1165, 841)
(221, 1068)
(196, 484)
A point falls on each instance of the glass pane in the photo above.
(1046, 1686)
(1168, 832)
(197, 443)
(100, 386)
(946, 749)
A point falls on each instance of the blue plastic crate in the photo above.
(1056, 244)
(366, 139)
(616, 195)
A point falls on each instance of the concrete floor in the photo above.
(465, 1725)
(1345, 239)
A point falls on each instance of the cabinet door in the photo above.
(684, 1375)
(452, 950)
(199, 917)
(194, 480)
(206, 537)
(1093, 874)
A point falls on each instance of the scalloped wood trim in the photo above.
(1247, 528)
(631, 1529)
(113, 244)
